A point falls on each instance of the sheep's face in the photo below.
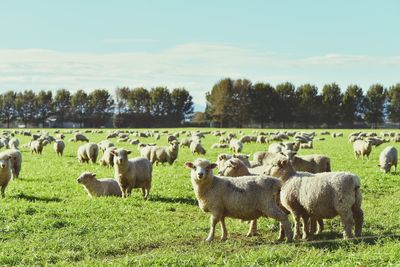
(174, 145)
(229, 168)
(5, 162)
(201, 170)
(385, 168)
(120, 156)
(276, 167)
(85, 177)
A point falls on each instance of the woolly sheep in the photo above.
(165, 154)
(99, 187)
(234, 167)
(246, 198)
(59, 147)
(103, 145)
(5, 173)
(13, 143)
(362, 148)
(218, 145)
(132, 173)
(15, 161)
(235, 145)
(320, 196)
(308, 145)
(36, 146)
(108, 158)
(145, 150)
(375, 141)
(387, 159)
(245, 139)
(80, 137)
(88, 152)
(185, 142)
(196, 147)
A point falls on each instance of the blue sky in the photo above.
(192, 44)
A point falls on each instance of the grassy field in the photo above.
(47, 218)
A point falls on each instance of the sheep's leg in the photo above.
(358, 216)
(3, 188)
(306, 226)
(129, 191)
(320, 226)
(281, 232)
(276, 213)
(224, 235)
(313, 226)
(252, 229)
(296, 219)
(348, 222)
(214, 221)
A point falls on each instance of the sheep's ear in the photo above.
(247, 156)
(189, 165)
(222, 157)
(128, 152)
(113, 152)
(213, 166)
(282, 163)
(93, 174)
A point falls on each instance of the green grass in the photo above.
(47, 218)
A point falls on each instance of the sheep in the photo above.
(36, 146)
(132, 173)
(234, 167)
(362, 148)
(5, 173)
(15, 161)
(80, 137)
(99, 187)
(145, 150)
(103, 145)
(13, 143)
(308, 163)
(376, 141)
(171, 138)
(334, 135)
(245, 139)
(218, 145)
(308, 145)
(261, 139)
(196, 147)
(165, 154)
(88, 152)
(288, 148)
(235, 145)
(246, 198)
(319, 196)
(222, 158)
(185, 142)
(108, 158)
(60, 136)
(134, 141)
(59, 147)
(112, 135)
(387, 159)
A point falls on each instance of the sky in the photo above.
(74, 44)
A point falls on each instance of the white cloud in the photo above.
(195, 66)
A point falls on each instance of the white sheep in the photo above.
(88, 152)
(196, 147)
(132, 173)
(362, 148)
(108, 158)
(36, 146)
(235, 145)
(218, 145)
(246, 198)
(13, 143)
(319, 196)
(80, 137)
(15, 161)
(387, 159)
(59, 147)
(145, 150)
(99, 187)
(308, 145)
(165, 154)
(5, 173)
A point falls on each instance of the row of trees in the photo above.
(236, 102)
(132, 107)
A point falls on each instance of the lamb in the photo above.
(261, 139)
(88, 152)
(308, 163)
(99, 187)
(103, 145)
(80, 137)
(320, 196)
(362, 148)
(59, 147)
(234, 167)
(185, 142)
(308, 145)
(196, 147)
(387, 159)
(165, 154)
(245, 139)
(13, 143)
(222, 158)
(108, 158)
(235, 145)
(132, 173)
(5, 173)
(246, 198)
(218, 145)
(15, 161)
(36, 146)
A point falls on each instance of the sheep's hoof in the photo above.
(209, 240)
(224, 238)
(251, 234)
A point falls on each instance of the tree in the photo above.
(331, 101)
(394, 103)
(286, 103)
(307, 97)
(101, 106)
(219, 101)
(44, 101)
(139, 101)
(352, 105)
(161, 106)
(375, 101)
(25, 103)
(8, 110)
(263, 103)
(239, 107)
(182, 105)
(199, 118)
(62, 105)
(80, 107)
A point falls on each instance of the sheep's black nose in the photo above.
(200, 175)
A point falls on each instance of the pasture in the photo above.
(47, 217)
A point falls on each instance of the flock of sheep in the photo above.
(275, 183)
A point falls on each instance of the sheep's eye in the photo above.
(194, 168)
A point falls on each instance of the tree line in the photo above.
(131, 108)
(234, 103)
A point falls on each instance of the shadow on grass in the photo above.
(35, 198)
(334, 241)
(180, 200)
